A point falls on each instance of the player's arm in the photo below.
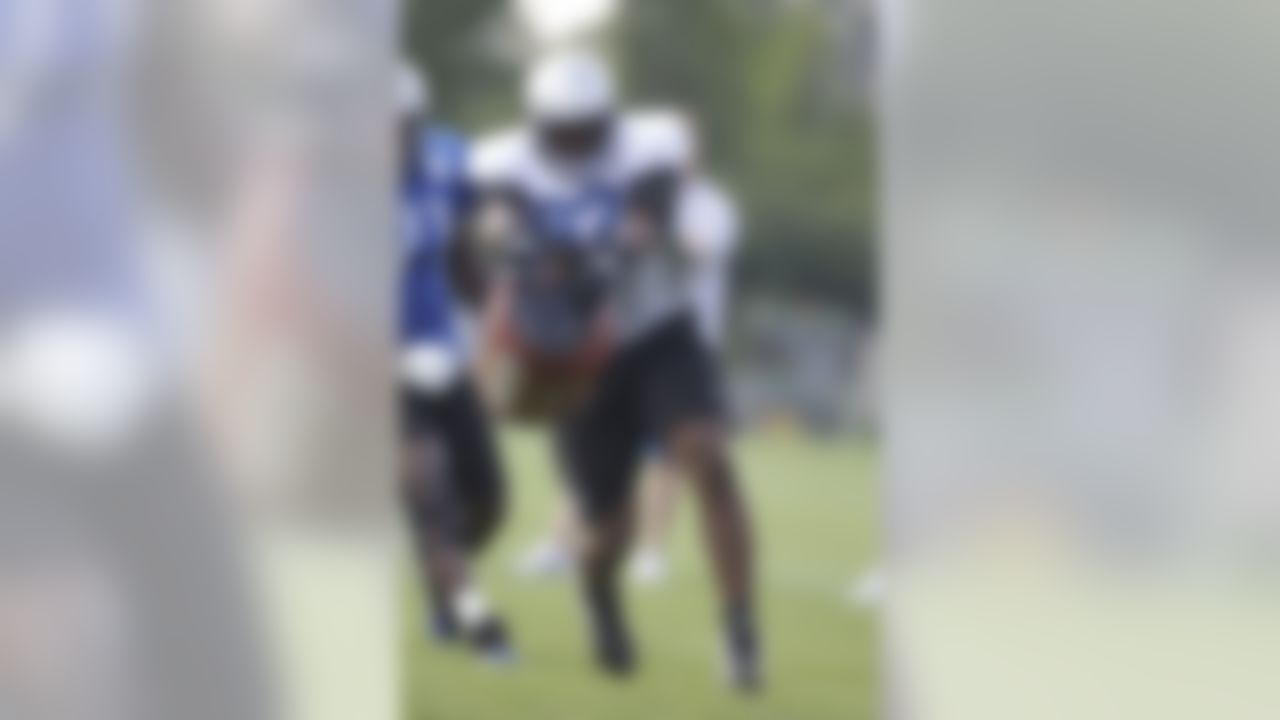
(654, 197)
(708, 222)
(649, 222)
(466, 261)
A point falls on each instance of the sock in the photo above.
(741, 626)
(471, 607)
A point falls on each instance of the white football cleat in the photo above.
(649, 568)
(545, 560)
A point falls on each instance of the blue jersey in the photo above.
(434, 199)
(584, 204)
(588, 215)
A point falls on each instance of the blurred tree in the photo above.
(691, 54)
(798, 151)
(454, 41)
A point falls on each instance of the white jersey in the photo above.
(708, 226)
(585, 203)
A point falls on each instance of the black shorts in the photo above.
(647, 391)
(457, 421)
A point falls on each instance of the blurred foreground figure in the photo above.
(122, 595)
(598, 332)
(453, 481)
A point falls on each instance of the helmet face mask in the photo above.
(576, 141)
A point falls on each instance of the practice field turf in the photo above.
(814, 505)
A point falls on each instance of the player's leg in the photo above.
(600, 449)
(686, 407)
(477, 491)
(476, 468)
(728, 537)
(439, 521)
(602, 556)
(423, 495)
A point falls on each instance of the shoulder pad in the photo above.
(708, 219)
(497, 158)
(657, 139)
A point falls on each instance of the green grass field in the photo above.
(814, 505)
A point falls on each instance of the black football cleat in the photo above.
(742, 660)
(614, 651)
(444, 628)
(492, 642)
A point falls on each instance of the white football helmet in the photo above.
(570, 87)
